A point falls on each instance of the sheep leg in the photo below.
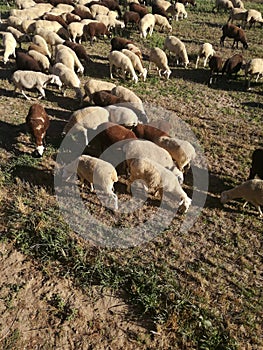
(111, 66)
(42, 91)
(260, 212)
(197, 60)
(23, 93)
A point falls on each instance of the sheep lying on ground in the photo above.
(232, 31)
(95, 171)
(29, 80)
(120, 60)
(251, 191)
(215, 65)
(232, 65)
(42, 60)
(175, 45)
(9, 43)
(146, 25)
(159, 58)
(257, 164)
(136, 62)
(122, 116)
(158, 177)
(252, 68)
(37, 121)
(206, 50)
(93, 85)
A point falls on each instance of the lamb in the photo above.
(68, 78)
(41, 59)
(86, 118)
(232, 65)
(9, 43)
(163, 23)
(223, 4)
(181, 151)
(95, 29)
(136, 62)
(105, 98)
(37, 121)
(122, 116)
(251, 191)
(156, 177)
(253, 67)
(68, 57)
(146, 24)
(119, 60)
(30, 79)
(180, 11)
(175, 45)
(93, 85)
(131, 17)
(40, 41)
(237, 14)
(159, 58)
(232, 31)
(26, 62)
(215, 65)
(95, 171)
(141, 9)
(206, 50)
(253, 16)
(257, 164)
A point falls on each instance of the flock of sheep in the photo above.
(55, 55)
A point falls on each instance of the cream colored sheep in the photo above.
(135, 49)
(136, 62)
(175, 45)
(253, 16)
(163, 23)
(14, 21)
(122, 116)
(24, 4)
(159, 58)
(67, 56)
(163, 4)
(40, 41)
(94, 85)
(180, 11)
(9, 44)
(206, 50)
(19, 36)
(41, 59)
(119, 60)
(52, 26)
(223, 4)
(146, 25)
(28, 26)
(253, 67)
(61, 8)
(238, 4)
(97, 9)
(251, 191)
(51, 38)
(75, 30)
(95, 171)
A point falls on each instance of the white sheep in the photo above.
(40, 41)
(28, 26)
(86, 118)
(181, 151)
(51, 38)
(146, 25)
(163, 23)
(180, 11)
(135, 49)
(254, 67)
(122, 116)
(14, 21)
(175, 45)
(251, 191)
(163, 4)
(29, 80)
(159, 58)
(94, 85)
(95, 171)
(253, 16)
(156, 178)
(61, 8)
(9, 43)
(206, 50)
(97, 9)
(19, 36)
(41, 59)
(69, 79)
(52, 26)
(23, 4)
(119, 60)
(67, 56)
(136, 62)
(223, 4)
(75, 30)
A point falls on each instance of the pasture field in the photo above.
(197, 289)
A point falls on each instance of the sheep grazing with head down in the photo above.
(234, 32)
(136, 62)
(251, 191)
(146, 25)
(93, 85)
(253, 67)
(105, 98)
(9, 43)
(120, 60)
(159, 58)
(122, 115)
(232, 65)
(257, 164)
(37, 121)
(95, 29)
(215, 65)
(206, 50)
(95, 171)
(175, 45)
(131, 17)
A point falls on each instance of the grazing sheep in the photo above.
(215, 65)
(68, 57)
(9, 43)
(252, 17)
(25, 62)
(28, 26)
(41, 59)
(237, 14)
(120, 60)
(19, 36)
(186, 2)
(223, 4)
(24, 4)
(37, 121)
(83, 12)
(149, 132)
(159, 10)
(118, 43)
(156, 178)
(181, 151)
(206, 50)
(14, 21)
(59, 19)
(86, 118)
(51, 26)
(95, 171)
(75, 30)
(159, 58)
(113, 6)
(257, 164)
(93, 85)
(122, 116)
(95, 29)
(70, 17)
(140, 9)
(79, 50)
(30, 79)
(131, 17)
(69, 79)
(175, 45)
(146, 25)
(136, 62)
(232, 31)
(162, 3)
(40, 41)
(133, 48)
(232, 65)
(104, 98)
(51, 38)
(238, 4)
(180, 11)
(58, 2)
(62, 8)
(98, 9)
(37, 48)
(253, 67)
(251, 191)
(163, 23)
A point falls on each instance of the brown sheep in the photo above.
(112, 5)
(215, 65)
(26, 62)
(232, 65)
(234, 32)
(79, 50)
(141, 9)
(148, 132)
(95, 29)
(59, 19)
(131, 17)
(105, 98)
(37, 48)
(118, 43)
(257, 164)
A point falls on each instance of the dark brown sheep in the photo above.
(141, 9)
(112, 5)
(71, 17)
(257, 164)
(215, 65)
(131, 17)
(37, 121)
(95, 29)
(118, 43)
(59, 19)
(105, 98)
(26, 62)
(234, 32)
(158, 10)
(232, 65)
(81, 13)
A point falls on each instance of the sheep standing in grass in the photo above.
(26, 62)
(42, 60)
(146, 25)
(257, 164)
(95, 29)
(136, 62)
(40, 41)
(158, 177)
(215, 65)
(30, 79)
(93, 85)
(234, 32)
(159, 58)
(237, 14)
(37, 121)
(180, 11)
(163, 23)
(175, 45)
(120, 60)
(253, 16)
(252, 68)
(206, 50)
(9, 43)
(95, 171)
(232, 65)
(251, 191)
(68, 57)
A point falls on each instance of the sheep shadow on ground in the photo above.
(34, 176)
(58, 113)
(253, 104)
(98, 70)
(9, 134)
